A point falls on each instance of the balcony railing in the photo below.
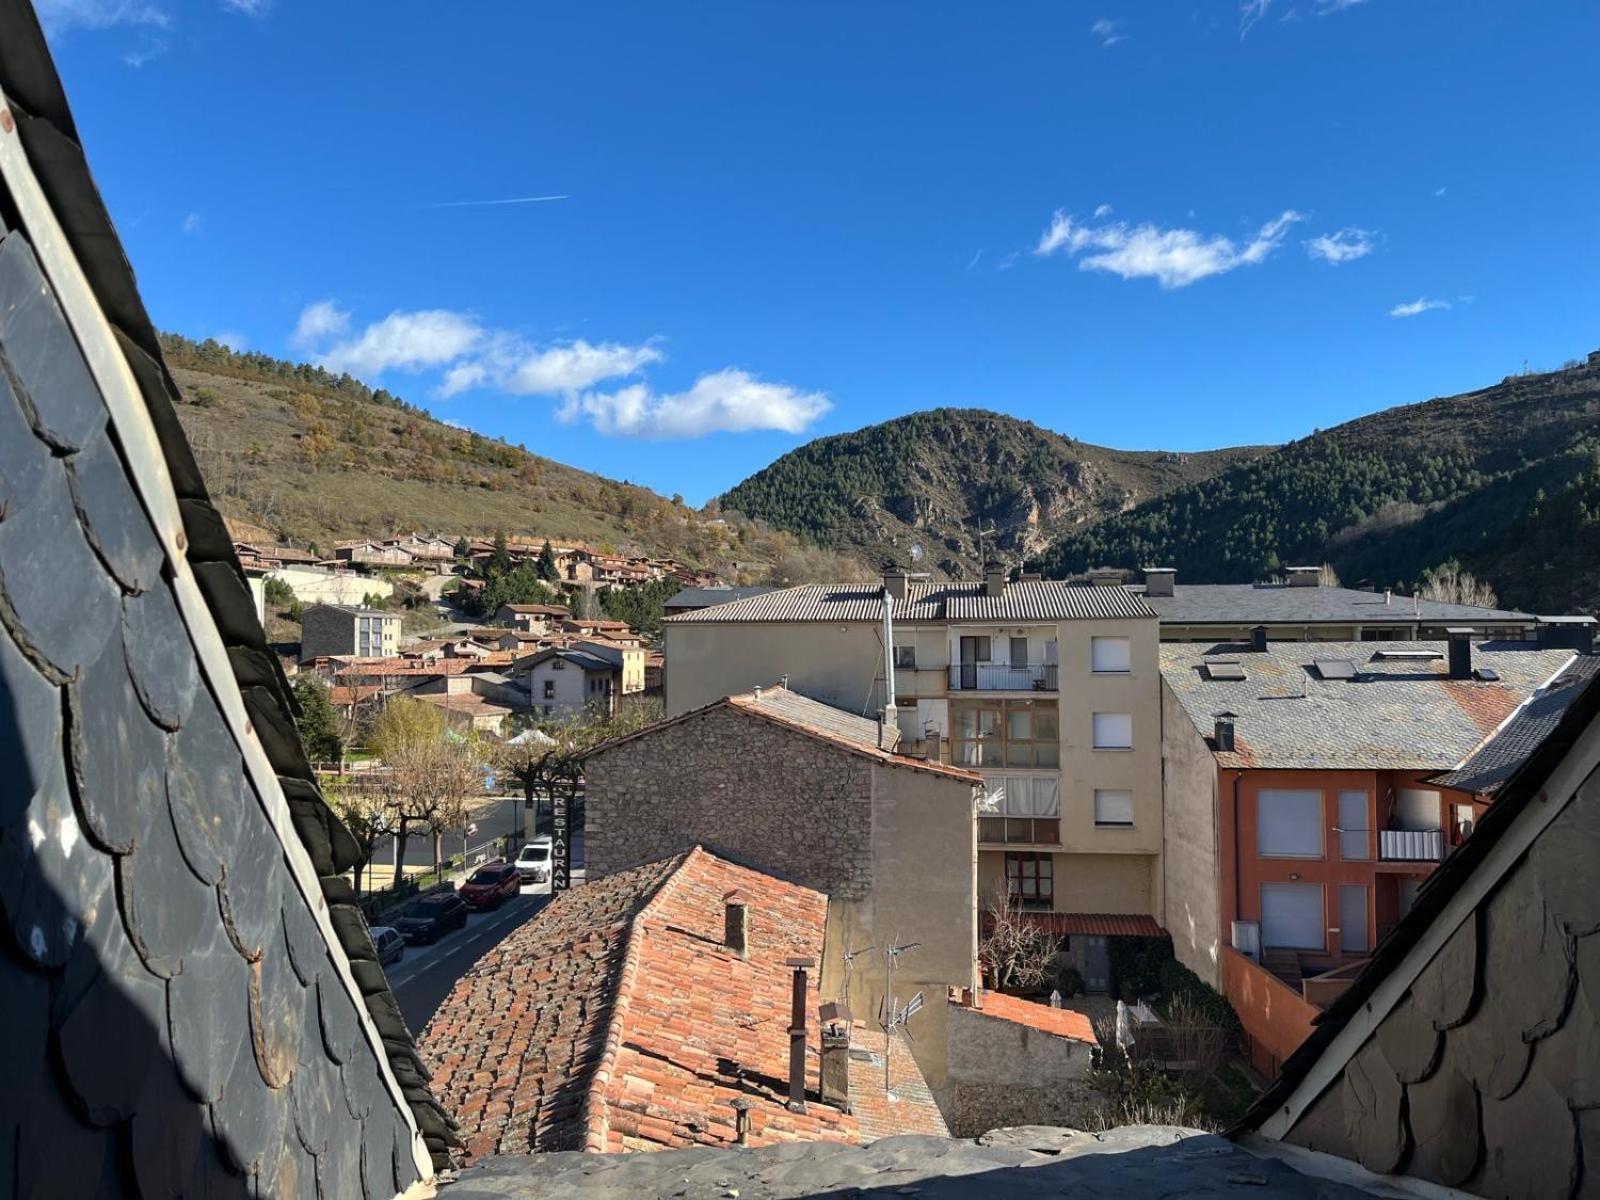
(1019, 831)
(1000, 677)
(1410, 845)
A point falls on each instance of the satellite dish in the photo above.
(917, 552)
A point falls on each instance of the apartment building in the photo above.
(1049, 690)
(335, 629)
(1312, 787)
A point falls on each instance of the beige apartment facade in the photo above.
(1051, 691)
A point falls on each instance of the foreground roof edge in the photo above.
(45, 171)
(1569, 755)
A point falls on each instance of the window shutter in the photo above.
(1288, 823)
(1113, 731)
(1113, 806)
(1111, 654)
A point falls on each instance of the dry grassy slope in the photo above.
(933, 478)
(316, 466)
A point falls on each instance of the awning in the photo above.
(1099, 924)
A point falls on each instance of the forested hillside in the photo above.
(313, 457)
(936, 478)
(1505, 481)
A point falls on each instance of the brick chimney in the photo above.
(1105, 577)
(736, 923)
(994, 578)
(1305, 576)
(1158, 581)
(835, 1071)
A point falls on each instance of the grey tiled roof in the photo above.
(181, 988)
(1269, 604)
(1497, 760)
(1394, 715)
(705, 597)
(1030, 600)
(791, 706)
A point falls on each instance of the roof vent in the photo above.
(1460, 652)
(1258, 639)
(1159, 581)
(736, 923)
(894, 581)
(1227, 670)
(1222, 732)
(994, 578)
(1335, 668)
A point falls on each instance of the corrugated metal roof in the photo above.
(1396, 714)
(1030, 600)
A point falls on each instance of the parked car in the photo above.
(391, 946)
(431, 917)
(533, 864)
(491, 885)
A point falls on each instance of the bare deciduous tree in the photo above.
(1452, 585)
(428, 770)
(1015, 951)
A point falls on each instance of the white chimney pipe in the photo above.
(888, 652)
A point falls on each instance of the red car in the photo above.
(490, 885)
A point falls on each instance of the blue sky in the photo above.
(1141, 224)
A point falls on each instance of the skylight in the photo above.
(1335, 668)
(1227, 669)
(1408, 655)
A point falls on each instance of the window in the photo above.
(1288, 823)
(906, 657)
(549, 689)
(1353, 919)
(1019, 652)
(1110, 655)
(1113, 806)
(1291, 916)
(1021, 809)
(1355, 833)
(1113, 731)
(1009, 733)
(1030, 878)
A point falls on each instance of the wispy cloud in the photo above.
(405, 341)
(192, 223)
(318, 322)
(1108, 32)
(726, 401)
(1324, 7)
(1438, 191)
(59, 16)
(248, 8)
(232, 339)
(973, 261)
(492, 203)
(1346, 245)
(1102, 211)
(1173, 257)
(1417, 306)
(1007, 261)
(153, 48)
(1251, 12)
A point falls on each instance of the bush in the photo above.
(206, 398)
(278, 593)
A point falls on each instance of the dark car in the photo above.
(491, 885)
(432, 917)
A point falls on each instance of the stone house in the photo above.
(334, 629)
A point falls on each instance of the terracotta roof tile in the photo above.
(1062, 1022)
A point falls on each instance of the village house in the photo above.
(606, 627)
(564, 681)
(332, 629)
(471, 701)
(366, 552)
(1311, 788)
(671, 1005)
(692, 599)
(1304, 608)
(1049, 690)
(532, 618)
(1466, 1054)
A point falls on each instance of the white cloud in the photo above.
(1438, 191)
(973, 261)
(405, 341)
(248, 8)
(232, 339)
(191, 223)
(726, 401)
(511, 365)
(1108, 32)
(58, 16)
(1007, 262)
(318, 322)
(1173, 257)
(152, 49)
(1250, 12)
(1102, 211)
(1333, 6)
(1417, 306)
(1346, 245)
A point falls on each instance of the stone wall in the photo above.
(742, 787)
(1004, 1073)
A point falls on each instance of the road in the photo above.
(493, 815)
(423, 978)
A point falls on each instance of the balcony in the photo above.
(1410, 845)
(1019, 831)
(1001, 677)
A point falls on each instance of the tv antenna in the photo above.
(983, 533)
(917, 552)
(849, 963)
(898, 1019)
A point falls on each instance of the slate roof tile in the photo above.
(1025, 600)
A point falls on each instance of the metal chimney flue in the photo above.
(797, 1034)
(1222, 733)
(1258, 639)
(1460, 652)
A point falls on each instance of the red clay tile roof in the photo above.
(1062, 1022)
(1099, 924)
(616, 1021)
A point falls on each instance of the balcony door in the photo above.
(973, 650)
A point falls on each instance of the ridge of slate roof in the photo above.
(1397, 714)
(616, 1020)
(1022, 600)
(1286, 604)
(38, 108)
(1525, 789)
(1488, 767)
(789, 708)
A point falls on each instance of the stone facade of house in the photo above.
(798, 807)
(1004, 1072)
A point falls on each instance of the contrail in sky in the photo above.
(484, 203)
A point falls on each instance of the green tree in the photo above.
(318, 723)
(547, 563)
(500, 560)
(463, 547)
(278, 593)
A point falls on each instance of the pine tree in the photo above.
(318, 723)
(547, 563)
